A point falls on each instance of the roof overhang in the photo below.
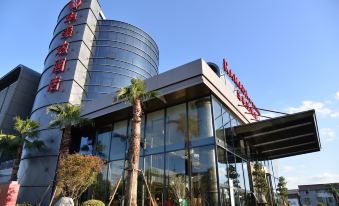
(280, 137)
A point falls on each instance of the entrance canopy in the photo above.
(280, 137)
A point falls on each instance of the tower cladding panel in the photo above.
(88, 57)
(121, 52)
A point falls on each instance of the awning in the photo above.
(280, 137)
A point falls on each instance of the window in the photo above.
(154, 173)
(204, 180)
(119, 139)
(154, 138)
(200, 121)
(103, 142)
(176, 127)
(177, 179)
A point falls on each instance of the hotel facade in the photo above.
(199, 146)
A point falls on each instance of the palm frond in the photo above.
(65, 115)
(137, 89)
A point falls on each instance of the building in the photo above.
(17, 91)
(294, 197)
(202, 141)
(88, 57)
(318, 194)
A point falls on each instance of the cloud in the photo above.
(326, 177)
(320, 108)
(288, 168)
(337, 95)
(327, 134)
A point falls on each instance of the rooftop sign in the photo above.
(242, 93)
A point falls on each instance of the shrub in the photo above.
(76, 173)
(93, 203)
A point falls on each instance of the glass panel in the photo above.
(177, 179)
(86, 144)
(236, 173)
(119, 139)
(100, 187)
(154, 172)
(154, 141)
(223, 178)
(115, 173)
(200, 121)
(218, 125)
(246, 178)
(176, 127)
(204, 180)
(226, 118)
(103, 142)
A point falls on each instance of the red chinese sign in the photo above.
(242, 93)
(68, 32)
(62, 50)
(54, 84)
(74, 5)
(71, 17)
(59, 66)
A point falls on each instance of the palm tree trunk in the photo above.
(14, 175)
(65, 142)
(134, 152)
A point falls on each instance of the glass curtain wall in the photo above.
(233, 174)
(178, 156)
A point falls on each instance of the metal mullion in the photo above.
(215, 149)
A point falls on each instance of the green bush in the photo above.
(24, 204)
(93, 203)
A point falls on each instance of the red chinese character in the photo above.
(54, 84)
(68, 32)
(59, 65)
(74, 4)
(63, 49)
(71, 17)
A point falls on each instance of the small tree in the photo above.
(12, 144)
(259, 182)
(282, 190)
(76, 173)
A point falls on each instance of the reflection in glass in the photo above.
(103, 142)
(154, 173)
(101, 186)
(119, 139)
(154, 141)
(176, 127)
(200, 119)
(223, 178)
(177, 179)
(218, 125)
(115, 173)
(204, 180)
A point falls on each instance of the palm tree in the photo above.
(65, 116)
(135, 94)
(27, 133)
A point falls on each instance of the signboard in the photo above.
(62, 50)
(242, 93)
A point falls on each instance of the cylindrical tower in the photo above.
(121, 52)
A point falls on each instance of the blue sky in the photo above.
(285, 52)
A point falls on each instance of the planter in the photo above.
(9, 193)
